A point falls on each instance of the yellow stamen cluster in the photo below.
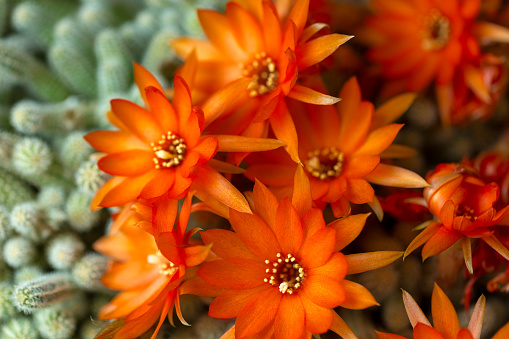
(264, 75)
(169, 151)
(468, 212)
(325, 163)
(436, 32)
(285, 273)
(166, 267)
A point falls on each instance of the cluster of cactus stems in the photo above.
(61, 62)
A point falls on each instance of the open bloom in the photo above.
(423, 41)
(445, 321)
(281, 272)
(147, 268)
(160, 149)
(464, 207)
(252, 61)
(341, 148)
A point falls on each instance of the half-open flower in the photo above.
(147, 268)
(445, 320)
(464, 207)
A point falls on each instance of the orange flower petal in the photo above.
(289, 231)
(197, 286)
(494, 243)
(290, 317)
(127, 190)
(357, 167)
(301, 198)
(220, 188)
(312, 222)
(394, 176)
(381, 335)
(359, 191)
(414, 312)
(314, 51)
(357, 297)
(424, 236)
(235, 143)
(227, 244)
(445, 319)
(439, 242)
(245, 28)
(502, 333)
(257, 236)
(164, 214)
(422, 331)
(475, 323)
(236, 274)
(218, 30)
(266, 204)
(318, 319)
(317, 249)
(310, 96)
(183, 47)
(334, 268)
(137, 119)
(272, 29)
(160, 184)
(230, 303)
(392, 110)
(323, 290)
(259, 311)
(272, 174)
(299, 14)
(347, 229)
(379, 139)
(129, 163)
(464, 334)
(284, 129)
(195, 255)
(143, 79)
(95, 204)
(114, 141)
(466, 247)
(341, 328)
(162, 110)
(310, 31)
(363, 262)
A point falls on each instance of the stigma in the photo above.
(166, 267)
(169, 151)
(263, 73)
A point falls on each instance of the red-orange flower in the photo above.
(423, 41)
(445, 321)
(147, 268)
(281, 272)
(160, 149)
(464, 207)
(341, 148)
(252, 61)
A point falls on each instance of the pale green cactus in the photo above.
(55, 323)
(64, 250)
(42, 292)
(87, 272)
(29, 220)
(19, 251)
(19, 327)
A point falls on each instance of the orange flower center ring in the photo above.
(285, 273)
(325, 163)
(263, 73)
(169, 151)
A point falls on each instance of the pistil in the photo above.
(169, 151)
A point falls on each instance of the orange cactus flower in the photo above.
(464, 207)
(445, 321)
(161, 150)
(341, 150)
(147, 268)
(253, 59)
(282, 272)
(423, 41)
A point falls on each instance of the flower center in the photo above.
(169, 151)
(325, 163)
(285, 273)
(262, 71)
(468, 212)
(166, 267)
(437, 30)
